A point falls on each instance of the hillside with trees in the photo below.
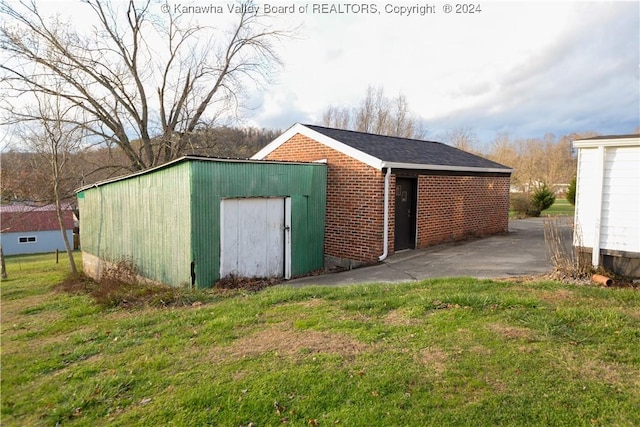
(25, 175)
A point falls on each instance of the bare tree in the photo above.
(462, 137)
(537, 160)
(373, 113)
(144, 81)
(54, 139)
(338, 117)
(502, 150)
(405, 124)
(18, 181)
(377, 114)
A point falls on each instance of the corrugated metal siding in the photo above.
(166, 218)
(213, 181)
(145, 218)
(621, 199)
(308, 214)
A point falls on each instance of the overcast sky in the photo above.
(516, 67)
(526, 68)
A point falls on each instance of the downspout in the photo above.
(385, 240)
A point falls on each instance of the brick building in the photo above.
(386, 194)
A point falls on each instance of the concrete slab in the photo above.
(521, 252)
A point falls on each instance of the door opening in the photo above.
(405, 214)
(255, 237)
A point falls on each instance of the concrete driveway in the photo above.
(521, 252)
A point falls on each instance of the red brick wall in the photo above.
(458, 207)
(355, 199)
(449, 207)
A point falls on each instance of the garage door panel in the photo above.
(229, 229)
(275, 237)
(252, 241)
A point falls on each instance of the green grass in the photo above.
(438, 352)
(561, 207)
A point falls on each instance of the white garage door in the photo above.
(253, 236)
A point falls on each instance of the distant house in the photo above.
(386, 194)
(607, 215)
(30, 230)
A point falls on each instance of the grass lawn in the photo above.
(560, 207)
(438, 352)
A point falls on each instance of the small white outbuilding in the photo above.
(607, 215)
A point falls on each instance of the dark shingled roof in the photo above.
(594, 138)
(405, 150)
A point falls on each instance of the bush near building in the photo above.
(524, 205)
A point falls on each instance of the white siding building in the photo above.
(607, 218)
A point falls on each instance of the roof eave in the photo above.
(418, 166)
(179, 160)
(628, 141)
(298, 128)
(131, 175)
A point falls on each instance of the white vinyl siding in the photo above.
(586, 201)
(620, 225)
(608, 195)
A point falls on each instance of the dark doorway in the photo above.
(405, 215)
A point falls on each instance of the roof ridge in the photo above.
(373, 134)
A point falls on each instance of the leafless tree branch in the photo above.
(144, 82)
(377, 114)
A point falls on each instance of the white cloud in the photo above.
(522, 67)
(525, 67)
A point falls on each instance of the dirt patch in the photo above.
(284, 312)
(233, 282)
(434, 358)
(20, 310)
(312, 303)
(480, 349)
(523, 279)
(496, 384)
(282, 339)
(400, 318)
(557, 296)
(592, 369)
(586, 279)
(511, 332)
(632, 312)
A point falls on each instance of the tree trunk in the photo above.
(65, 238)
(4, 268)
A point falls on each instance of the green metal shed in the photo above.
(194, 220)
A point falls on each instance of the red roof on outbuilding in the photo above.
(24, 219)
